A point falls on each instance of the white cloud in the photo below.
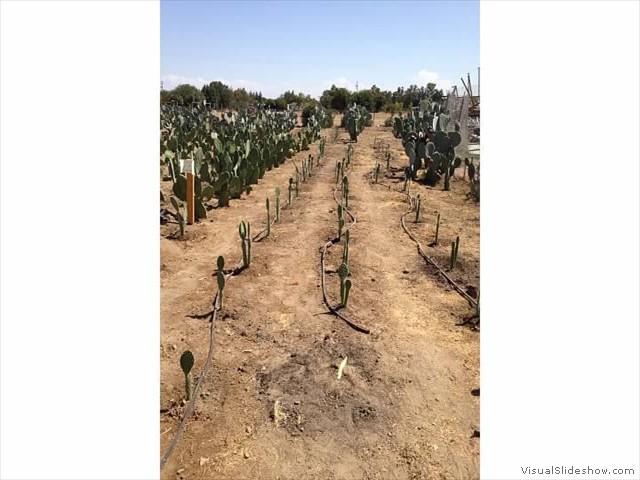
(172, 81)
(340, 82)
(425, 76)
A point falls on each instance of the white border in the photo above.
(80, 255)
(559, 256)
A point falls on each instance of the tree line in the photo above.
(221, 96)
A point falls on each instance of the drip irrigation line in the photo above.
(421, 251)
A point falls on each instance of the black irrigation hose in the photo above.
(191, 405)
(325, 298)
(423, 254)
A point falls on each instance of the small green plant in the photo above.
(290, 188)
(338, 171)
(417, 203)
(221, 279)
(186, 363)
(377, 172)
(179, 215)
(343, 273)
(345, 249)
(277, 204)
(245, 237)
(388, 156)
(268, 218)
(345, 191)
(437, 229)
(340, 221)
(454, 252)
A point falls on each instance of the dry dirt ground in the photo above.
(271, 406)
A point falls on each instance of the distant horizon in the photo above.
(308, 49)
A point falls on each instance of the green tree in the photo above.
(217, 94)
(336, 98)
(186, 94)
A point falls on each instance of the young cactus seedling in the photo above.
(290, 188)
(345, 249)
(340, 221)
(186, 363)
(181, 219)
(377, 172)
(345, 191)
(343, 273)
(277, 204)
(417, 201)
(268, 218)
(221, 281)
(437, 230)
(453, 255)
(245, 239)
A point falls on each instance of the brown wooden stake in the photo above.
(191, 214)
(470, 87)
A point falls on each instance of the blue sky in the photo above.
(307, 46)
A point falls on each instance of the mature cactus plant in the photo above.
(186, 363)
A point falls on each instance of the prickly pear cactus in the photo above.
(186, 363)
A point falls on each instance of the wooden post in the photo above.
(191, 213)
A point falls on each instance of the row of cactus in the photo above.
(355, 119)
(230, 155)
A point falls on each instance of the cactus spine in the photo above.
(186, 363)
